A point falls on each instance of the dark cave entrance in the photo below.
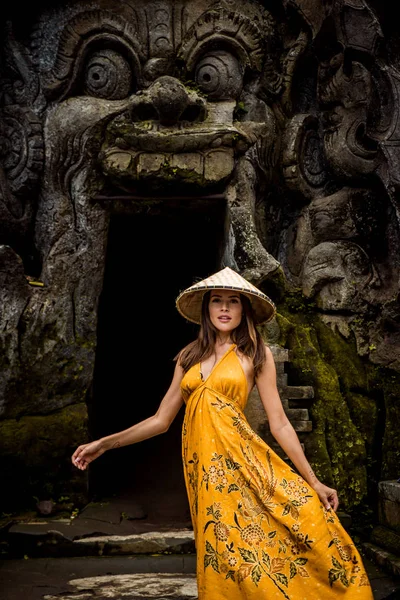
(150, 259)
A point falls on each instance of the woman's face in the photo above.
(225, 310)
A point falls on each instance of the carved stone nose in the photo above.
(169, 98)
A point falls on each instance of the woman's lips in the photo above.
(224, 319)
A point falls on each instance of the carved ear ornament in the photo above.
(21, 155)
(303, 157)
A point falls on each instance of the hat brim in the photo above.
(190, 301)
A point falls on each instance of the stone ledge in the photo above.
(297, 392)
(280, 354)
(301, 426)
(297, 414)
(42, 541)
(390, 490)
(389, 513)
(146, 543)
(388, 561)
(137, 587)
(386, 538)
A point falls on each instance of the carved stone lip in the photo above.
(188, 140)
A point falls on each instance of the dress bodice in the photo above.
(227, 378)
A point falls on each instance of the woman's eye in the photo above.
(108, 75)
(219, 75)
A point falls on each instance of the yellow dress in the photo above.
(261, 531)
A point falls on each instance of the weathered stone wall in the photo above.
(287, 112)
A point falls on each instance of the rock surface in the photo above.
(112, 108)
(145, 585)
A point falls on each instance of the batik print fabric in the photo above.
(260, 529)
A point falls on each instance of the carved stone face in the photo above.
(290, 122)
(149, 92)
(125, 102)
(122, 102)
(107, 106)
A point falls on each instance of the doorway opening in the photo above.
(150, 259)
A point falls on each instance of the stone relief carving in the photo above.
(289, 111)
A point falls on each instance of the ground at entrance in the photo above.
(112, 551)
(135, 577)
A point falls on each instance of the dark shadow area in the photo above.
(150, 259)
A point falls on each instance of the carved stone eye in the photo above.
(108, 75)
(219, 75)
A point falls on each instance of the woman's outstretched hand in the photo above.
(327, 495)
(87, 453)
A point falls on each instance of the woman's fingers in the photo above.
(85, 454)
(78, 451)
(78, 457)
(328, 496)
(81, 463)
(334, 500)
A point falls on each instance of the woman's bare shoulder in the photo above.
(268, 353)
(268, 368)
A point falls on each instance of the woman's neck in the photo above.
(222, 340)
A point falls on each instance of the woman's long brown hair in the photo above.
(246, 337)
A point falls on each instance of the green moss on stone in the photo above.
(35, 456)
(335, 447)
(364, 413)
(355, 440)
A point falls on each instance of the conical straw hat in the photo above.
(190, 300)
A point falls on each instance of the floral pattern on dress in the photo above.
(193, 475)
(261, 530)
(261, 552)
(251, 558)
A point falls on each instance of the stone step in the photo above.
(298, 414)
(282, 381)
(41, 541)
(177, 542)
(280, 354)
(137, 587)
(280, 370)
(390, 490)
(383, 558)
(389, 504)
(297, 392)
(302, 426)
(386, 538)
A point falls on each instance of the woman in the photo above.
(261, 530)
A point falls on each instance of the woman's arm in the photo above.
(285, 435)
(158, 423)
